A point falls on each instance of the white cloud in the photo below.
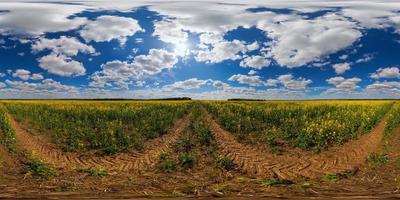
(343, 85)
(293, 84)
(343, 57)
(340, 68)
(120, 73)
(365, 58)
(389, 72)
(300, 41)
(249, 80)
(169, 32)
(2, 75)
(256, 62)
(2, 85)
(37, 77)
(59, 61)
(22, 74)
(68, 46)
(221, 51)
(44, 86)
(107, 28)
(377, 86)
(38, 18)
(252, 72)
(61, 65)
(188, 84)
(26, 75)
(271, 82)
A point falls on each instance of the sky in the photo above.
(270, 49)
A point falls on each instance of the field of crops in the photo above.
(107, 127)
(207, 143)
(315, 124)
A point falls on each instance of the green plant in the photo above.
(186, 160)
(311, 125)
(94, 172)
(7, 133)
(275, 182)
(106, 127)
(225, 162)
(333, 178)
(36, 167)
(166, 164)
(378, 158)
(184, 143)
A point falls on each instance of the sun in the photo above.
(181, 49)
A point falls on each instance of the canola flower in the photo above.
(305, 124)
(108, 127)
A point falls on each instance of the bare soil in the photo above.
(134, 161)
(251, 177)
(344, 159)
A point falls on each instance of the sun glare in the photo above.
(181, 49)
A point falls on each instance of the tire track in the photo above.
(346, 158)
(134, 161)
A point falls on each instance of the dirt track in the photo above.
(135, 161)
(346, 158)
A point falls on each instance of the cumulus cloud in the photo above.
(221, 51)
(45, 85)
(2, 85)
(188, 84)
(252, 72)
(107, 28)
(37, 77)
(340, 68)
(22, 74)
(249, 80)
(343, 85)
(286, 80)
(365, 58)
(290, 83)
(61, 65)
(26, 75)
(38, 18)
(389, 72)
(68, 46)
(59, 61)
(169, 32)
(301, 41)
(256, 62)
(121, 73)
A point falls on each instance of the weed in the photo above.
(333, 178)
(36, 167)
(378, 158)
(186, 160)
(276, 182)
(166, 164)
(184, 143)
(94, 172)
(225, 162)
(189, 189)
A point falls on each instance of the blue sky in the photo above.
(201, 49)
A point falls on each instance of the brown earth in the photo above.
(346, 158)
(135, 161)
(206, 180)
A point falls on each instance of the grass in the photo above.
(333, 178)
(186, 160)
(38, 168)
(225, 162)
(276, 182)
(94, 172)
(378, 158)
(166, 164)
